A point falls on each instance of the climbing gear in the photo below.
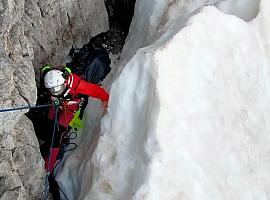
(24, 107)
(56, 105)
(56, 102)
(53, 78)
(66, 145)
(48, 67)
(55, 82)
(45, 193)
(45, 68)
(76, 122)
(68, 70)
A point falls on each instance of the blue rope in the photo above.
(24, 107)
(63, 192)
(45, 194)
(55, 104)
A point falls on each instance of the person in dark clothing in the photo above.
(92, 62)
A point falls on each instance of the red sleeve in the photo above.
(92, 90)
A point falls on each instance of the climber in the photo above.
(90, 65)
(67, 91)
(67, 87)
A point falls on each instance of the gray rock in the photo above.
(27, 159)
(56, 26)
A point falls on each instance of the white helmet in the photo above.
(54, 82)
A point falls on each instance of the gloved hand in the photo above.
(104, 104)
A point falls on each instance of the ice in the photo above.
(245, 9)
(189, 113)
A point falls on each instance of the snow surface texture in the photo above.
(160, 14)
(188, 115)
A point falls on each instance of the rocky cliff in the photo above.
(33, 33)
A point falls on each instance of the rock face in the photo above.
(22, 173)
(33, 33)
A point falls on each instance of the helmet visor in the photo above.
(57, 90)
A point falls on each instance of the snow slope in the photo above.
(188, 114)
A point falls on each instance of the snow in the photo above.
(245, 9)
(188, 114)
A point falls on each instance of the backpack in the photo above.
(91, 63)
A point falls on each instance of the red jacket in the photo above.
(75, 86)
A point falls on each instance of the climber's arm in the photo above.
(92, 90)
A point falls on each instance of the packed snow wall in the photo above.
(188, 113)
(33, 33)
